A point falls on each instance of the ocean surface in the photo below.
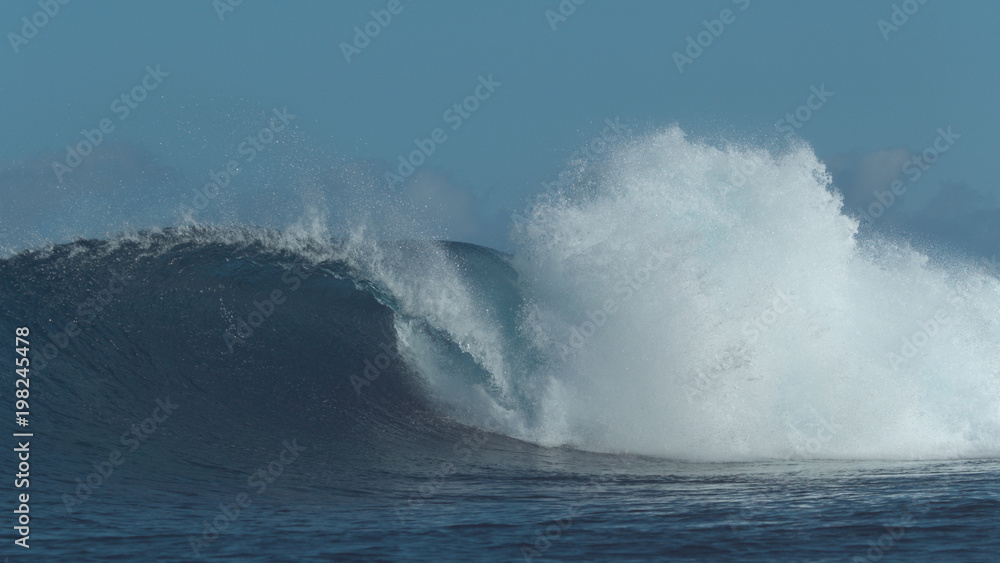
(695, 356)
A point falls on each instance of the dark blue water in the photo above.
(169, 424)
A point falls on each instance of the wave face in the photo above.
(677, 300)
(251, 333)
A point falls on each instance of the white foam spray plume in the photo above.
(710, 303)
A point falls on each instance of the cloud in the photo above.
(858, 177)
(955, 214)
(962, 216)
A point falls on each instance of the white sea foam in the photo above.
(699, 302)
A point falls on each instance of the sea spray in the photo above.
(735, 240)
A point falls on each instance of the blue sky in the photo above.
(555, 80)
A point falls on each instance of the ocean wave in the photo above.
(682, 300)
